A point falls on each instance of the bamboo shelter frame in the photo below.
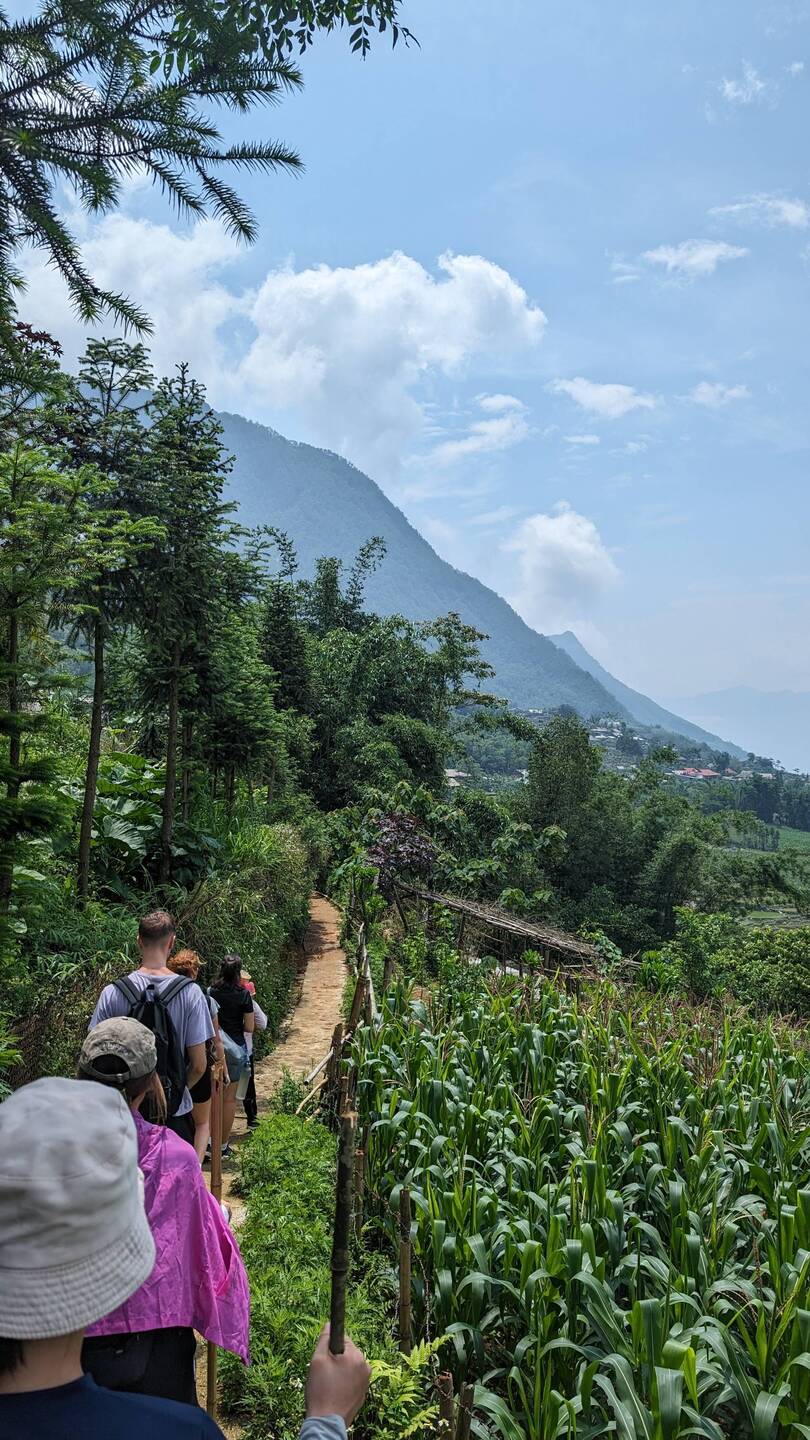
(557, 948)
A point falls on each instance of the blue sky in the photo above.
(545, 278)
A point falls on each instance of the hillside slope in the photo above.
(639, 706)
(328, 507)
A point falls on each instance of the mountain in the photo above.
(775, 723)
(646, 711)
(329, 507)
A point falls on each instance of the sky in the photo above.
(544, 278)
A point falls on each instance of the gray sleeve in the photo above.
(109, 1004)
(324, 1427)
(199, 1025)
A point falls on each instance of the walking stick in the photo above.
(340, 1235)
(216, 1191)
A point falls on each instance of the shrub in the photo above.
(288, 1177)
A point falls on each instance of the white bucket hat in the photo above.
(75, 1242)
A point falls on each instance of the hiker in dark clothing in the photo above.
(236, 1021)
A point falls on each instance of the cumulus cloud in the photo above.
(749, 89)
(795, 68)
(713, 395)
(768, 210)
(581, 439)
(343, 355)
(564, 568)
(610, 401)
(692, 259)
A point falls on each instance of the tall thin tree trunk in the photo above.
(185, 778)
(14, 752)
(93, 753)
(230, 782)
(167, 827)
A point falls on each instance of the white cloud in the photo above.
(713, 395)
(795, 68)
(609, 401)
(563, 568)
(483, 437)
(633, 447)
(749, 89)
(344, 356)
(489, 518)
(494, 404)
(624, 273)
(769, 210)
(693, 258)
(581, 439)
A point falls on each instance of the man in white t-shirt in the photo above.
(188, 1009)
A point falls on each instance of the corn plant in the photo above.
(611, 1206)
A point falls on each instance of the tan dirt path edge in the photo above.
(306, 1037)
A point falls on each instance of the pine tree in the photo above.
(179, 576)
(103, 425)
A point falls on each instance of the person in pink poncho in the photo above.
(147, 1345)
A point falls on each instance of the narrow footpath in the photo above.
(306, 1036)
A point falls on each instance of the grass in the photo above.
(288, 1179)
(790, 839)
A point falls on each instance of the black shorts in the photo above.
(202, 1090)
(182, 1125)
(155, 1362)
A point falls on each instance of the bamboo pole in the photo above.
(311, 1096)
(333, 1073)
(359, 1189)
(216, 1191)
(465, 1409)
(357, 1000)
(447, 1408)
(405, 1270)
(340, 1234)
(308, 1079)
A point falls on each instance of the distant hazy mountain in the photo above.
(638, 705)
(771, 722)
(328, 507)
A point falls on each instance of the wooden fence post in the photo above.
(340, 1234)
(447, 1409)
(405, 1270)
(335, 1065)
(357, 1000)
(216, 1191)
(388, 972)
(465, 1409)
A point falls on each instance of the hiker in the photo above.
(172, 1006)
(236, 1022)
(75, 1243)
(250, 1103)
(199, 1281)
(187, 962)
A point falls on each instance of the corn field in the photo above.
(611, 1207)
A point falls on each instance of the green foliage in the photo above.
(287, 1176)
(611, 1219)
(765, 968)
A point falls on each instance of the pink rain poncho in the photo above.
(199, 1278)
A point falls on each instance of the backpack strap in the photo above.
(130, 992)
(174, 987)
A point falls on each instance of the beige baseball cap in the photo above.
(128, 1042)
(75, 1242)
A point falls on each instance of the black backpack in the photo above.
(151, 1007)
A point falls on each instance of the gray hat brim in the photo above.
(56, 1300)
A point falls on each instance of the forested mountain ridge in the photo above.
(327, 506)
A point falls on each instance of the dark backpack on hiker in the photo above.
(151, 1007)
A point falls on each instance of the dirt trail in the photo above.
(305, 1038)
